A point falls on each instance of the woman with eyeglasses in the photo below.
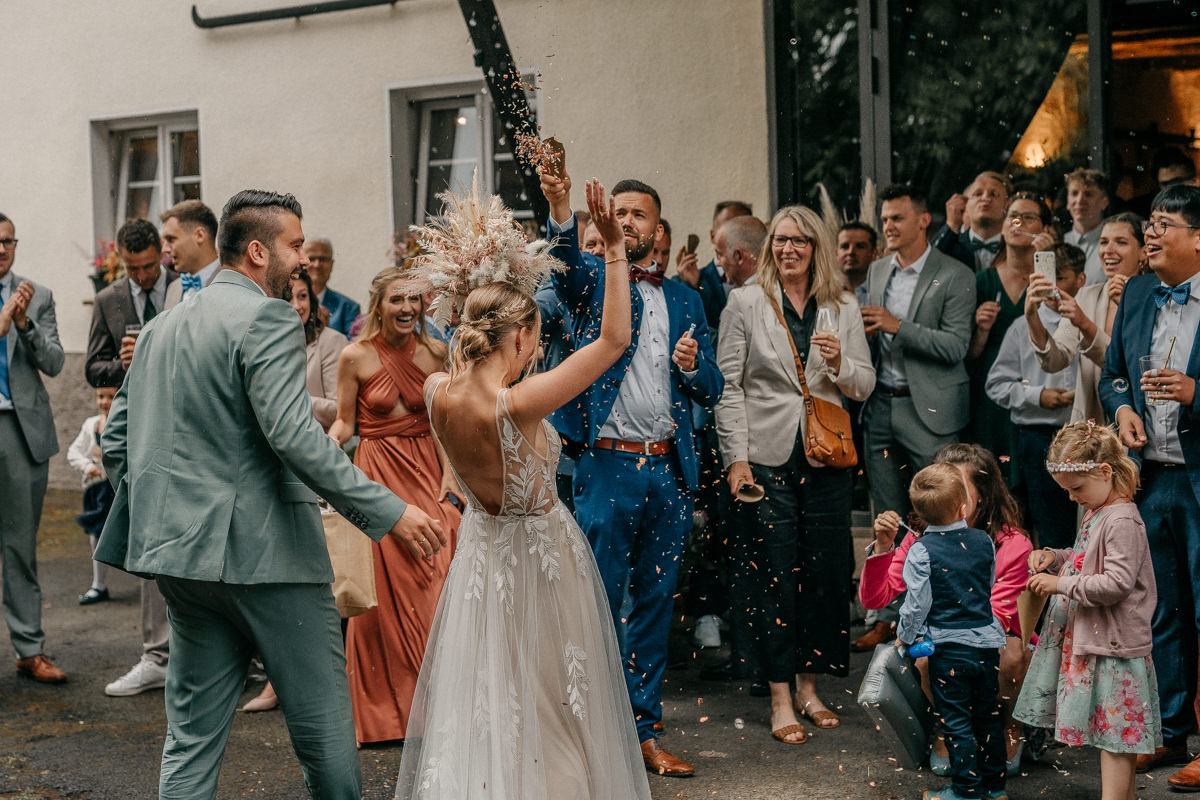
(1088, 317)
(801, 528)
(1000, 293)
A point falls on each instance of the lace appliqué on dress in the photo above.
(577, 680)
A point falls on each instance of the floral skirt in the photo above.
(1108, 703)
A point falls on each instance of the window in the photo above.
(142, 166)
(440, 137)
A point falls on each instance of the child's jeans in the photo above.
(966, 689)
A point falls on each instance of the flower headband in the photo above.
(1072, 466)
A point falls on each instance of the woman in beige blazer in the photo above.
(1088, 317)
(803, 522)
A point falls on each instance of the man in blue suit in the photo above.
(1158, 416)
(635, 478)
(342, 310)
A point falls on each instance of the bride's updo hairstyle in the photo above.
(489, 313)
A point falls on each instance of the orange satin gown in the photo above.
(385, 646)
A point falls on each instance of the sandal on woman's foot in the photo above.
(789, 730)
(267, 700)
(93, 595)
(822, 719)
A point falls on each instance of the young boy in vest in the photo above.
(949, 573)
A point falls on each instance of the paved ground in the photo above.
(73, 742)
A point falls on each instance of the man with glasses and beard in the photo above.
(212, 446)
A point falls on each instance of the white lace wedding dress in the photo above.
(521, 695)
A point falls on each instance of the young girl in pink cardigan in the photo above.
(1091, 679)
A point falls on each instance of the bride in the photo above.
(521, 695)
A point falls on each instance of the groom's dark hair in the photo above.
(252, 215)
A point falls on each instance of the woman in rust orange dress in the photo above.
(380, 380)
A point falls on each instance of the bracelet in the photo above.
(614, 260)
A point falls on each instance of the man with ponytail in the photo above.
(638, 469)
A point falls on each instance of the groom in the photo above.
(212, 445)
(635, 478)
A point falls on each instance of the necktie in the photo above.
(191, 282)
(980, 244)
(4, 389)
(637, 274)
(148, 310)
(1177, 293)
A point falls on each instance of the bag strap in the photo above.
(795, 354)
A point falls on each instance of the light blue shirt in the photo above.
(897, 298)
(1089, 243)
(205, 275)
(1172, 323)
(1016, 379)
(919, 599)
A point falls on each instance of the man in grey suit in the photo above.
(133, 301)
(920, 303)
(920, 306)
(29, 346)
(212, 444)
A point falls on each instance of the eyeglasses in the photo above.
(798, 242)
(1021, 220)
(1159, 226)
(8, 242)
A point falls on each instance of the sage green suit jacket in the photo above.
(212, 446)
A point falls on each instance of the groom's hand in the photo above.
(419, 532)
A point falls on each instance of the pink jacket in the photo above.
(1115, 587)
(882, 576)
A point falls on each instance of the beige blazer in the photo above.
(1065, 343)
(762, 408)
(321, 374)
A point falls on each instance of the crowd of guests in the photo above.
(960, 355)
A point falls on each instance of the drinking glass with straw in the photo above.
(1147, 365)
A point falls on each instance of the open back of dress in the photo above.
(521, 694)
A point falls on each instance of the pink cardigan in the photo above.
(882, 576)
(1115, 587)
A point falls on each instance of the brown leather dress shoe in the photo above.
(1161, 757)
(40, 669)
(880, 633)
(1187, 779)
(662, 762)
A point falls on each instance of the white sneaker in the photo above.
(708, 631)
(144, 676)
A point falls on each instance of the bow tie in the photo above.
(1177, 293)
(191, 282)
(980, 244)
(637, 274)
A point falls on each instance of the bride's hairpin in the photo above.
(1072, 466)
(475, 242)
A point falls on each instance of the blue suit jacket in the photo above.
(342, 311)
(712, 293)
(1120, 380)
(581, 287)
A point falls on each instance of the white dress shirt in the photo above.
(897, 298)
(1089, 243)
(642, 410)
(1016, 379)
(1178, 323)
(158, 295)
(983, 257)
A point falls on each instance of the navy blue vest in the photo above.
(962, 568)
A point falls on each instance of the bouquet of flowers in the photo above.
(107, 266)
(474, 243)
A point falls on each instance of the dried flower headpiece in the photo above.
(1072, 466)
(474, 243)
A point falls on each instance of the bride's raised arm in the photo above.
(539, 395)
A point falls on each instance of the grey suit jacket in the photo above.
(112, 310)
(933, 339)
(30, 353)
(212, 445)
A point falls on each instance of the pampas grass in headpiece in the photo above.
(475, 242)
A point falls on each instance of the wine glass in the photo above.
(826, 323)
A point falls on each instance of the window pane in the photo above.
(142, 202)
(454, 135)
(443, 177)
(186, 191)
(185, 153)
(510, 186)
(143, 158)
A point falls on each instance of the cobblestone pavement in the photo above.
(74, 742)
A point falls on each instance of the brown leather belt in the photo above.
(893, 391)
(640, 448)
